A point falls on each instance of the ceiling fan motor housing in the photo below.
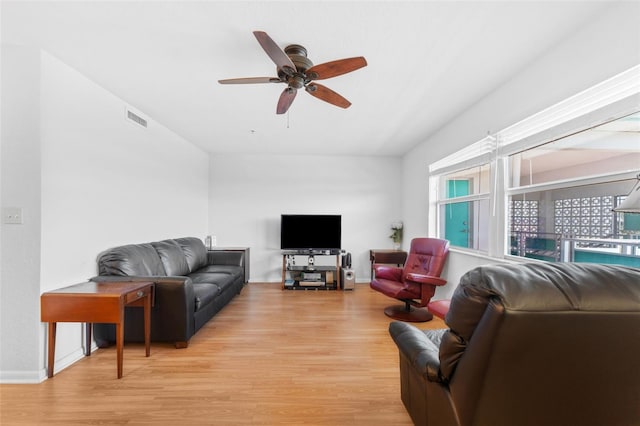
(298, 55)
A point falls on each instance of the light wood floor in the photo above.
(271, 357)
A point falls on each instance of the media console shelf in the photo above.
(300, 272)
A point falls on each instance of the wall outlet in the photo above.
(12, 215)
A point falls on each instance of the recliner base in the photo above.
(401, 313)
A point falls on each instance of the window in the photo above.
(573, 215)
(464, 208)
(609, 148)
(545, 188)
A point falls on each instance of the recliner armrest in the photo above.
(414, 344)
(425, 279)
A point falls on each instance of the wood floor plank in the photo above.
(271, 357)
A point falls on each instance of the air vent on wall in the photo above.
(136, 118)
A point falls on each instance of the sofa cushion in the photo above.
(219, 278)
(226, 269)
(194, 251)
(131, 260)
(172, 257)
(204, 293)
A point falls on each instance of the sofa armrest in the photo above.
(120, 279)
(414, 344)
(173, 307)
(137, 278)
(221, 257)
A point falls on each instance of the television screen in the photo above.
(310, 232)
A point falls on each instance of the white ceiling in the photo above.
(428, 61)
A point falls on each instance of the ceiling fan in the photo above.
(297, 72)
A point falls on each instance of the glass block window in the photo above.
(584, 217)
(524, 216)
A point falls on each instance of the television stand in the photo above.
(300, 271)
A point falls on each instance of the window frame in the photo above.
(472, 198)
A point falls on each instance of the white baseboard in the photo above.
(23, 377)
(40, 375)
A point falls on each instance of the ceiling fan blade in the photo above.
(327, 95)
(250, 80)
(335, 68)
(276, 54)
(286, 99)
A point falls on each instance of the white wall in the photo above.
(99, 168)
(248, 193)
(602, 49)
(94, 180)
(21, 354)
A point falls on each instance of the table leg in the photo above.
(147, 324)
(52, 349)
(120, 346)
(87, 339)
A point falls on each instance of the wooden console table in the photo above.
(91, 302)
(395, 257)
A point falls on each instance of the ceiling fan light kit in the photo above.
(297, 71)
(632, 203)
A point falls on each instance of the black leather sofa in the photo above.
(528, 344)
(191, 286)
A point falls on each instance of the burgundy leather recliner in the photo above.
(529, 344)
(415, 284)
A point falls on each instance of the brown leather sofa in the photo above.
(529, 344)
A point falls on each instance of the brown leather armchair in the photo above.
(529, 344)
(416, 283)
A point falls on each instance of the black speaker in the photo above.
(347, 278)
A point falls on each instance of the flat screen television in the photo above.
(310, 232)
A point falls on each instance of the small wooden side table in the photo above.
(91, 302)
(395, 257)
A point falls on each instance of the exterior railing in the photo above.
(618, 249)
(573, 248)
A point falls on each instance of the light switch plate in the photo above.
(12, 215)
